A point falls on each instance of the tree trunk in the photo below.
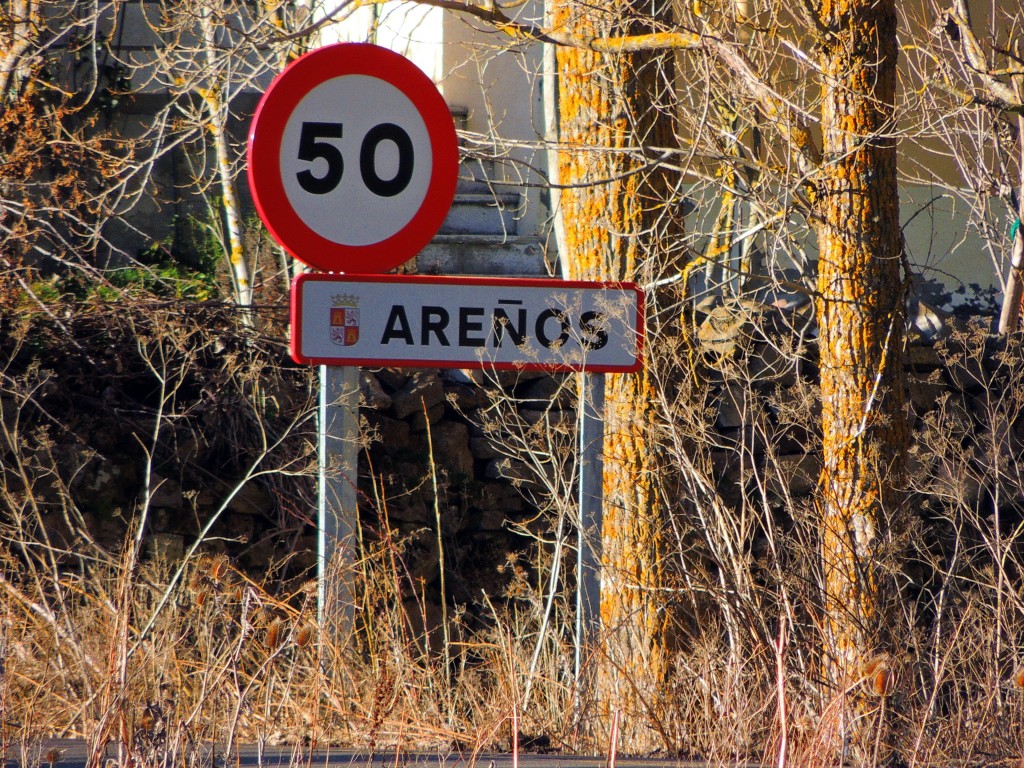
(861, 315)
(214, 96)
(18, 33)
(614, 202)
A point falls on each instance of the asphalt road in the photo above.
(73, 754)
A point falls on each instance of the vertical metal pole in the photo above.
(337, 530)
(591, 492)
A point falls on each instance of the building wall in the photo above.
(479, 72)
(498, 85)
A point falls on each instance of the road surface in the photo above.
(72, 753)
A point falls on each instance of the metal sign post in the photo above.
(344, 321)
(338, 519)
(591, 500)
(352, 164)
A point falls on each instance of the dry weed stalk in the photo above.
(168, 657)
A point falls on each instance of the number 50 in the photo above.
(315, 144)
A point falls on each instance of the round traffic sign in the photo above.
(353, 159)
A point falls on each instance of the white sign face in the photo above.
(463, 322)
(356, 176)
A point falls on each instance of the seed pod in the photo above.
(1017, 679)
(219, 568)
(304, 635)
(879, 675)
(275, 634)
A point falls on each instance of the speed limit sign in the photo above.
(353, 159)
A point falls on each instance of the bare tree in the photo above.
(210, 60)
(48, 208)
(749, 109)
(861, 305)
(146, 106)
(970, 71)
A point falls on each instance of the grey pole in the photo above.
(337, 528)
(591, 493)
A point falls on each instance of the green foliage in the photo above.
(48, 291)
(165, 280)
(194, 245)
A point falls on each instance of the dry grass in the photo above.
(104, 638)
(169, 662)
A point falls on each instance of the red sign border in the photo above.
(295, 342)
(266, 133)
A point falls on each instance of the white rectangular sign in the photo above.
(418, 321)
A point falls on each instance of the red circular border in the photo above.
(264, 156)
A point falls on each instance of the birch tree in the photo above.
(211, 57)
(969, 67)
(198, 68)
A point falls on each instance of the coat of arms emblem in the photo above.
(344, 320)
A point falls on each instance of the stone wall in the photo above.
(963, 382)
(455, 446)
(441, 429)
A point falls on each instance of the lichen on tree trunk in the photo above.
(616, 204)
(861, 315)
